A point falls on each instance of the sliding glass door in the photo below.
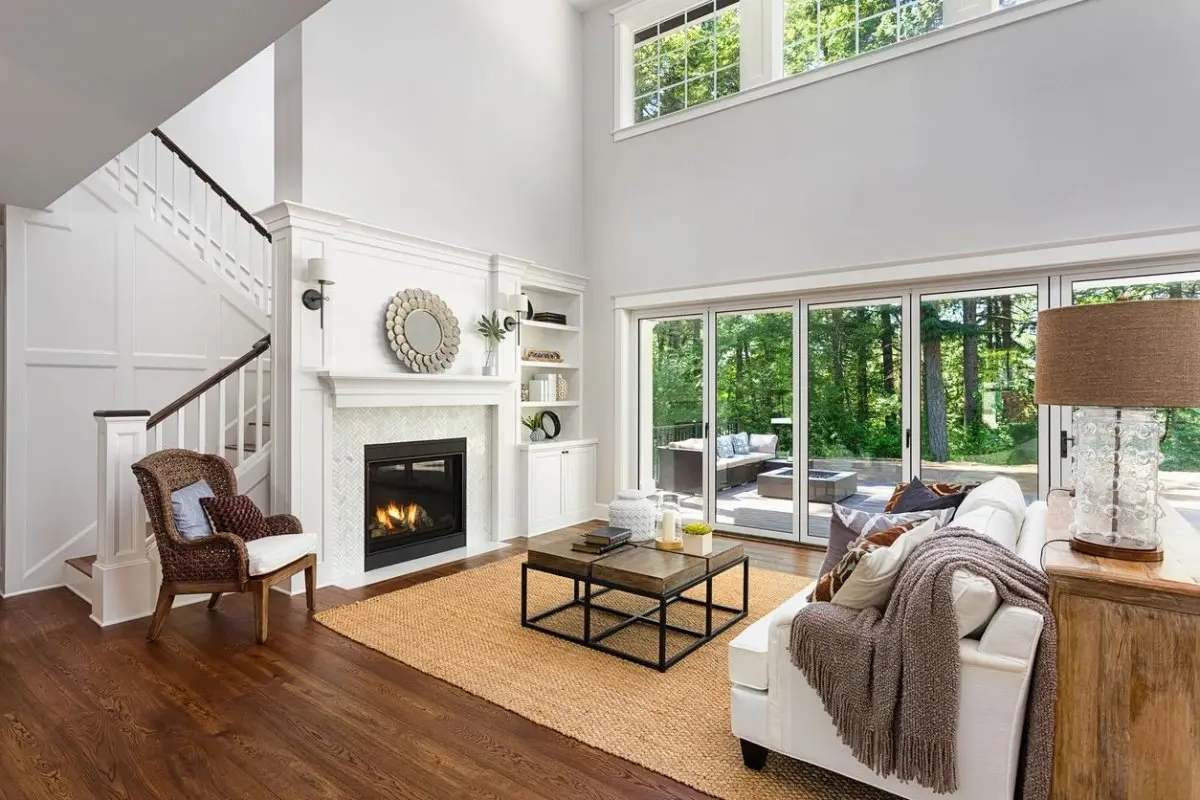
(752, 480)
(673, 451)
(854, 408)
(978, 418)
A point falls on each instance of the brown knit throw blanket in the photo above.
(890, 681)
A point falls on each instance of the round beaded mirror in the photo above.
(422, 330)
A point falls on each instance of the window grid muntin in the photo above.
(649, 104)
(898, 8)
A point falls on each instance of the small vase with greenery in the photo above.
(697, 538)
(493, 334)
(534, 423)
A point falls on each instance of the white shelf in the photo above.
(555, 444)
(549, 404)
(553, 365)
(550, 326)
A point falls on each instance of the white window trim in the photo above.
(762, 51)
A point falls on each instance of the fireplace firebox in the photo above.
(415, 500)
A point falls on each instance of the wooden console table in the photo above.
(1128, 718)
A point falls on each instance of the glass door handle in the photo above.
(908, 437)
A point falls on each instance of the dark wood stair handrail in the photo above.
(256, 350)
(216, 187)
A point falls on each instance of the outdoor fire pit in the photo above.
(824, 486)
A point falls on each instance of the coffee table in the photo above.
(641, 570)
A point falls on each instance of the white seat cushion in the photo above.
(272, 552)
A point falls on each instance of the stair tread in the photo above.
(83, 564)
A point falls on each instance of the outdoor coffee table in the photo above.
(640, 570)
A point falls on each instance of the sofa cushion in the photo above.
(919, 497)
(1001, 492)
(830, 582)
(272, 552)
(1033, 534)
(764, 443)
(990, 521)
(190, 519)
(741, 444)
(975, 599)
(936, 488)
(724, 447)
(748, 660)
(871, 582)
(847, 524)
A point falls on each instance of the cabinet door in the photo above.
(545, 488)
(579, 482)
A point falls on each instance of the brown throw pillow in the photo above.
(237, 515)
(937, 488)
(831, 581)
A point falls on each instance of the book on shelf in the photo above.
(547, 316)
(604, 536)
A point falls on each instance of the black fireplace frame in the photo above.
(420, 545)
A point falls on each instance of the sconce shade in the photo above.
(517, 303)
(1132, 354)
(319, 271)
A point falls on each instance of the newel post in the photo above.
(122, 577)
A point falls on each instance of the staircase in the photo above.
(227, 413)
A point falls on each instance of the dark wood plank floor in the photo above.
(206, 713)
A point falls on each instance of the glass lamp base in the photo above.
(1116, 460)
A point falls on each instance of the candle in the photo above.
(668, 526)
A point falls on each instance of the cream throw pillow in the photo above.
(872, 580)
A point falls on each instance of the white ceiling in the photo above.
(83, 80)
(588, 5)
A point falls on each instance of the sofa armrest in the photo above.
(1013, 632)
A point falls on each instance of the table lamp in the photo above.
(1117, 362)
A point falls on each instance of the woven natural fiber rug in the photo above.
(466, 629)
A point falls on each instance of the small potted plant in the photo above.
(493, 334)
(697, 538)
(534, 423)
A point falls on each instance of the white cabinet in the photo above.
(560, 484)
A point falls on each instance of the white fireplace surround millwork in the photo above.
(361, 390)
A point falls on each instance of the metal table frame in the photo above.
(587, 597)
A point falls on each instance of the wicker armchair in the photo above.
(213, 564)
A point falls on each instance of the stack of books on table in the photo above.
(602, 540)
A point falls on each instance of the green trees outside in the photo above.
(754, 374)
(819, 33)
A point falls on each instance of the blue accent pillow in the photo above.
(724, 447)
(190, 519)
(741, 444)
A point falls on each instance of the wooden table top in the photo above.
(642, 567)
(1178, 573)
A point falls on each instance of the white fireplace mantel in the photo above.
(399, 389)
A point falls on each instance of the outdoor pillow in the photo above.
(724, 447)
(741, 444)
(869, 582)
(919, 497)
(236, 514)
(764, 443)
(849, 524)
(190, 520)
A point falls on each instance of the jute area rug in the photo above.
(466, 629)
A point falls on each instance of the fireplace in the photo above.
(415, 500)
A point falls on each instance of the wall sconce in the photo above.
(515, 306)
(320, 274)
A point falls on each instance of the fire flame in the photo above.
(393, 516)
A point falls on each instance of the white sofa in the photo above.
(773, 707)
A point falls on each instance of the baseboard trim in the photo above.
(34, 590)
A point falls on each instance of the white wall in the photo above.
(104, 309)
(1070, 125)
(457, 120)
(230, 132)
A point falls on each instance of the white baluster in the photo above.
(158, 437)
(201, 439)
(221, 419)
(241, 417)
(180, 428)
(258, 404)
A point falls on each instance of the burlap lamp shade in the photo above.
(1135, 354)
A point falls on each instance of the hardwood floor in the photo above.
(204, 712)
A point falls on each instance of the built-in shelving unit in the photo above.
(559, 293)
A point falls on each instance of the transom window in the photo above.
(820, 32)
(686, 60)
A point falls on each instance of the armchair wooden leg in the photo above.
(261, 592)
(212, 601)
(754, 755)
(161, 609)
(310, 586)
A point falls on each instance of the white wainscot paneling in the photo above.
(171, 310)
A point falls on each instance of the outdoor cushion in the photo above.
(724, 447)
(688, 444)
(272, 552)
(190, 519)
(741, 444)
(764, 443)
